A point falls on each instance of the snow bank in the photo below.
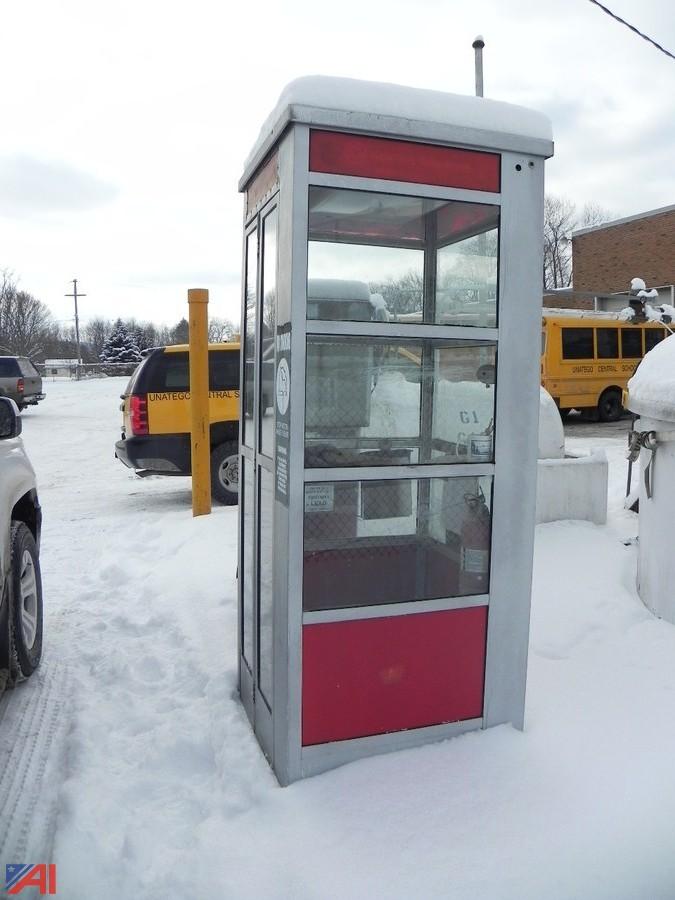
(651, 391)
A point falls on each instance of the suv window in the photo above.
(8, 367)
(224, 370)
(170, 372)
(28, 369)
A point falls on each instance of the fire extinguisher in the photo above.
(474, 569)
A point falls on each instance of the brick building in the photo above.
(606, 257)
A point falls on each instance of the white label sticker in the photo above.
(480, 447)
(474, 561)
(319, 497)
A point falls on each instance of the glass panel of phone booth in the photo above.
(416, 259)
(248, 556)
(267, 332)
(250, 289)
(364, 401)
(265, 597)
(373, 542)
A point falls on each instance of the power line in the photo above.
(634, 29)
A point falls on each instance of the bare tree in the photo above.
(96, 332)
(220, 330)
(24, 320)
(560, 220)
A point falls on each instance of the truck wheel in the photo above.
(609, 406)
(25, 595)
(225, 473)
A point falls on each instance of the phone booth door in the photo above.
(256, 473)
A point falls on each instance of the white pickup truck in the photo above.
(20, 581)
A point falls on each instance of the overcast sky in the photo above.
(125, 124)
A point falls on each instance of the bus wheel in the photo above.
(609, 406)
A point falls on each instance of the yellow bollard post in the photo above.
(198, 301)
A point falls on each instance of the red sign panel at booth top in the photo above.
(337, 153)
(373, 676)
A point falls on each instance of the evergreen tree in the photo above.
(120, 347)
(180, 334)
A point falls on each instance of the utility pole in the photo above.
(75, 295)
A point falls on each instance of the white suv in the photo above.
(20, 582)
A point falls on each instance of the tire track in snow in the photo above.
(33, 724)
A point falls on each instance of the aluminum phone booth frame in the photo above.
(389, 405)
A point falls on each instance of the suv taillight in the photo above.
(138, 410)
(19, 385)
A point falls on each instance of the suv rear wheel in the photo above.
(225, 473)
(25, 594)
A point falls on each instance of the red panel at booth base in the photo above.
(372, 676)
(373, 157)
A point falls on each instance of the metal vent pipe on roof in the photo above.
(478, 45)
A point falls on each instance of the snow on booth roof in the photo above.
(351, 102)
(651, 391)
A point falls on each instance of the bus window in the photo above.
(608, 343)
(577, 343)
(631, 343)
(543, 341)
(652, 337)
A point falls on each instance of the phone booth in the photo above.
(390, 395)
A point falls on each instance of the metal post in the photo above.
(200, 442)
(75, 295)
(478, 45)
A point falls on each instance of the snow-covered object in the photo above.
(337, 289)
(568, 486)
(656, 561)
(354, 97)
(652, 313)
(627, 313)
(551, 431)
(650, 295)
(637, 284)
(573, 488)
(651, 391)
(379, 304)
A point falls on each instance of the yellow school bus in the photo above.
(588, 357)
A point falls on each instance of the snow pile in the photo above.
(353, 96)
(551, 432)
(637, 284)
(651, 391)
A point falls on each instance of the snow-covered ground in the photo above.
(128, 761)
